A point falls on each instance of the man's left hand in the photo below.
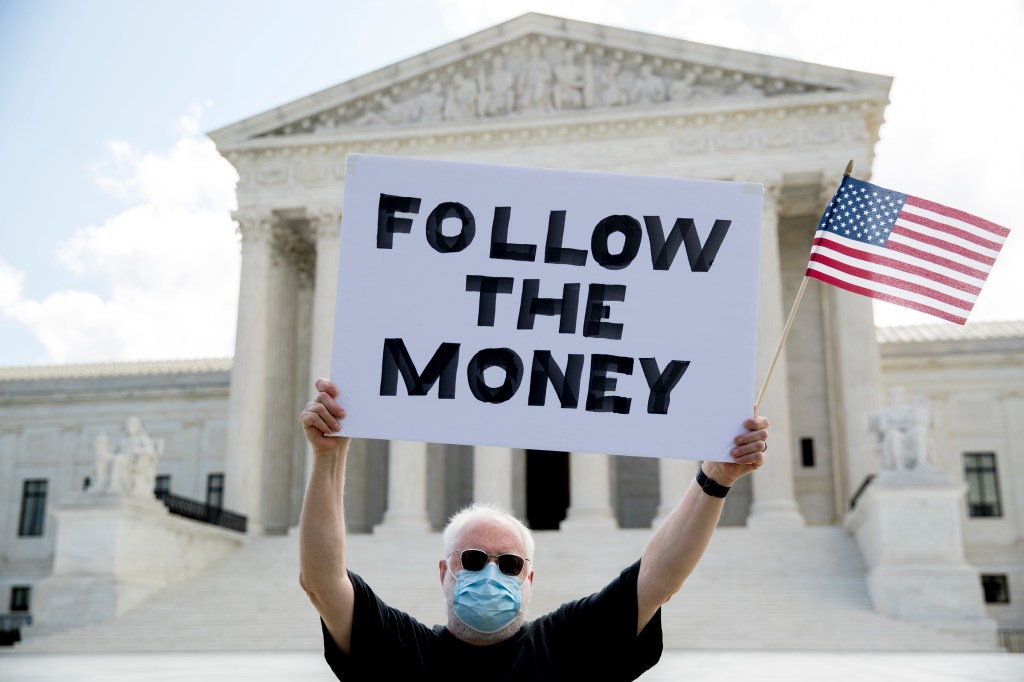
(748, 454)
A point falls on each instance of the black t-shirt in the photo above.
(592, 638)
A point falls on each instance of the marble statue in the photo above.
(682, 88)
(431, 104)
(461, 102)
(902, 433)
(648, 87)
(568, 88)
(498, 93)
(131, 469)
(612, 92)
(535, 82)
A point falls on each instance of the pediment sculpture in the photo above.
(536, 76)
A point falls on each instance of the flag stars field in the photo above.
(908, 251)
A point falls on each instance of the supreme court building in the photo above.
(545, 92)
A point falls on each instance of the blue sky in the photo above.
(115, 236)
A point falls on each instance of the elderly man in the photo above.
(486, 575)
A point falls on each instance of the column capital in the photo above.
(255, 225)
(827, 187)
(293, 245)
(324, 220)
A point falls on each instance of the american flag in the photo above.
(905, 250)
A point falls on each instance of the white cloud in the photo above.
(10, 285)
(169, 262)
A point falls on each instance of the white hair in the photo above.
(478, 512)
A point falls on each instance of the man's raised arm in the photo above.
(322, 571)
(680, 541)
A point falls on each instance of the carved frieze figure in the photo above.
(747, 89)
(682, 88)
(648, 87)
(461, 102)
(393, 113)
(535, 82)
(902, 433)
(612, 92)
(498, 93)
(384, 110)
(568, 90)
(431, 104)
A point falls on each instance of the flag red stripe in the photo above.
(959, 215)
(871, 293)
(897, 264)
(949, 229)
(892, 281)
(944, 245)
(938, 260)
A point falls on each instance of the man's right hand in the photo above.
(322, 416)
(322, 527)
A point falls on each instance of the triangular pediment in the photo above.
(543, 66)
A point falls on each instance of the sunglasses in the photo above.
(476, 559)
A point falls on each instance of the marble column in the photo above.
(774, 504)
(407, 489)
(281, 341)
(247, 401)
(301, 388)
(674, 476)
(492, 476)
(855, 380)
(324, 222)
(590, 506)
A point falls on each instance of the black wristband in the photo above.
(710, 486)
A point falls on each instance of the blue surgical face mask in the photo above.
(486, 600)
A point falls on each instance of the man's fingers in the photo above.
(325, 386)
(327, 400)
(752, 437)
(318, 415)
(311, 420)
(754, 448)
(755, 458)
(756, 423)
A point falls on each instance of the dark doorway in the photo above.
(547, 488)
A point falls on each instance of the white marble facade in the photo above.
(540, 91)
(536, 91)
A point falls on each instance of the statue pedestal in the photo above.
(114, 551)
(908, 526)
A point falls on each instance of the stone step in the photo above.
(796, 590)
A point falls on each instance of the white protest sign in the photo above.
(545, 309)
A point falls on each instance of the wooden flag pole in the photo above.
(782, 342)
(789, 325)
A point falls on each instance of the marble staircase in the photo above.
(785, 590)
